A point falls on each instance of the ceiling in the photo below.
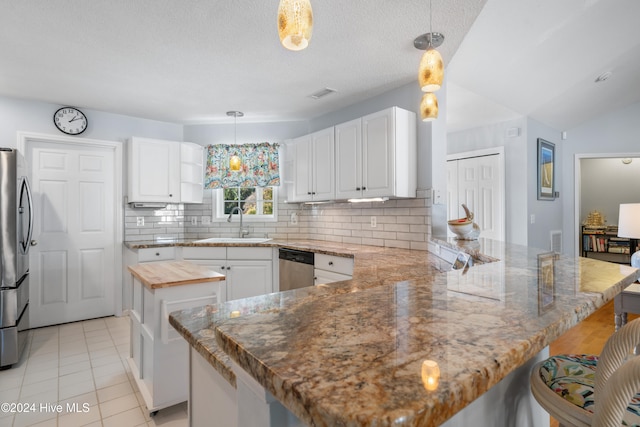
(191, 61)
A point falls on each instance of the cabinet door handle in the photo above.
(357, 188)
(170, 195)
(309, 193)
(223, 267)
(157, 253)
(364, 188)
(228, 268)
(330, 262)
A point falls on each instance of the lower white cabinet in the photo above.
(331, 268)
(248, 270)
(159, 356)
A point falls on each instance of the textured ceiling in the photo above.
(190, 61)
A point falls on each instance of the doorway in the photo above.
(476, 178)
(76, 266)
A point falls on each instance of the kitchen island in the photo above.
(352, 353)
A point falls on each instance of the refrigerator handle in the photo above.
(27, 242)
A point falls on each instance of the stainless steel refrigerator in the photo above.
(16, 227)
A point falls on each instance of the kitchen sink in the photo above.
(234, 240)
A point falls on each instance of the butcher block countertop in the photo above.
(165, 274)
(350, 353)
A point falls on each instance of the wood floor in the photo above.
(588, 337)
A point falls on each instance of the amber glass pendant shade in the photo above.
(431, 71)
(429, 107)
(235, 163)
(295, 23)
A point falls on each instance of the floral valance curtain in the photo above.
(260, 166)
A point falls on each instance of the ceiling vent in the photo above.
(322, 92)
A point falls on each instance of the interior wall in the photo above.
(547, 214)
(225, 133)
(605, 184)
(35, 116)
(515, 162)
(615, 134)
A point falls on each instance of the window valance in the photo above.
(260, 165)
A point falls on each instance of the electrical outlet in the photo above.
(437, 249)
(533, 219)
(294, 218)
(194, 220)
(206, 220)
(140, 221)
(374, 222)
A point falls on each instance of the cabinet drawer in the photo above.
(238, 252)
(212, 252)
(157, 254)
(322, 277)
(336, 264)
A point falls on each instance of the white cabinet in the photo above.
(314, 167)
(331, 268)
(376, 155)
(159, 356)
(248, 270)
(153, 170)
(191, 172)
(164, 171)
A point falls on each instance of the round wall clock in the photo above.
(70, 120)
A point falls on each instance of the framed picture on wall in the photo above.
(546, 170)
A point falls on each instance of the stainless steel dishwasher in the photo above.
(296, 269)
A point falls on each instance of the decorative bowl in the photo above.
(460, 227)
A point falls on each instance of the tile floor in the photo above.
(83, 363)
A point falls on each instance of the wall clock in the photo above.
(70, 120)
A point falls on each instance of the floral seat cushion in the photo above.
(572, 376)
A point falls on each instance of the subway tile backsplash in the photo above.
(403, 223)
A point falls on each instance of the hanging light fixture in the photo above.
(235, 162)
(431, 70)
(295, 23)
(429, 107)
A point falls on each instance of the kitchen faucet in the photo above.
(241, 232)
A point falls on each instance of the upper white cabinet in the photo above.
(159, 170)
(376, 155)
(313, 167)
(191, 172)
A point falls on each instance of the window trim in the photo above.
(217, 208)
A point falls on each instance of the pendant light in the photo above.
(431, 70)
(295, 23)
(429, 107)
(235, 162)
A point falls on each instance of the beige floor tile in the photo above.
(116, 406)
(93, 325)
(6, 421)
(97, 354)
(74, 367)
(25, 419)
(76, 378)
(8, 394)
(79, 418)
(11, 382)
(41, 375)
(109, 380)
(52, 422)
(76, 389)
(90, 399)
(114, 392)
(72, 360)
(132, 417)
(113, 368)
(39, 387)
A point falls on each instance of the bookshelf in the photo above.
(604, 244)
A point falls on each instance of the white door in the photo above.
(349, 160)
(478, 182)
(378, 139)
(248, 278)
(74, 268)
(323, 165)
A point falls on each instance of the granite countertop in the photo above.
(351, 353)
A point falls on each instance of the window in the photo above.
(257, 203)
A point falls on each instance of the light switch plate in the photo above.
(140, 221)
